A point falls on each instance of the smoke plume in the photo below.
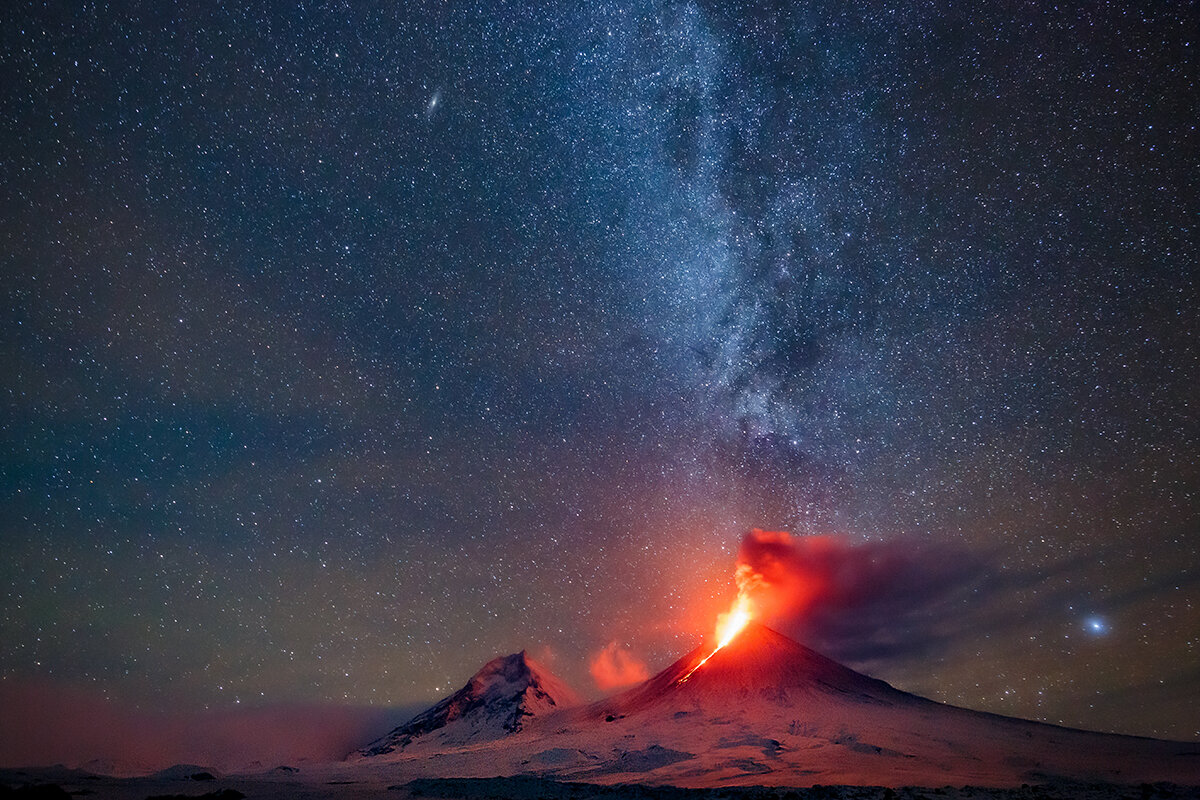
(614, 666)
(857, 601)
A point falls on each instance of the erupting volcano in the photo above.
(731, 623)
(762, 709)
(751, 706)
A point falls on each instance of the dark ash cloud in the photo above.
(861, 602)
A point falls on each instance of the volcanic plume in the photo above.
(864, 601)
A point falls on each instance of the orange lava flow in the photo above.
(729, 625)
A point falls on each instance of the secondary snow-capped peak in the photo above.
(496, 702)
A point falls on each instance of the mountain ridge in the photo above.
(766, 710)
(498, 700)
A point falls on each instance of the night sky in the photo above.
(345, 348)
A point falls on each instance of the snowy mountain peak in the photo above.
(497, 701)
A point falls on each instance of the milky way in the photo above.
(345, 350)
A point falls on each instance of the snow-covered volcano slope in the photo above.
(767, 710)
(499, 700)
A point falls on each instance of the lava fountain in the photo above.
(731, 623)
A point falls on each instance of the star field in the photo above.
(345, 349)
